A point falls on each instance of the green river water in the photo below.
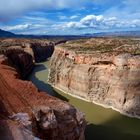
(103, 123)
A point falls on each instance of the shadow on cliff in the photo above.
(41, 52)
(5, 133)
(106, 131)
(109, 130)
(44, 86)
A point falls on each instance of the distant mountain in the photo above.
(6, 34)
(71, 37)
(113, 34)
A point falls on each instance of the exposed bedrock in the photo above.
(109, 78)
(40, 50)
(21, 60)
(26, 113)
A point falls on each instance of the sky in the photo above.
(69, 17)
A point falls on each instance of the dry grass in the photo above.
(103, 45)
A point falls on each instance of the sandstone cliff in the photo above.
(25, 113)
(104, 71)
(40, 50)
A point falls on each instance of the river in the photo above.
(103, 123)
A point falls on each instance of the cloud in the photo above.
(99, 22)
(20, 28)
(62, 17)
(68, 16)
(11, 8)
(91, 18)
(74, 16)
(132, 4)
(17, 27)
(128, 9)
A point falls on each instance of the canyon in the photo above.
(105, 71)
(40, 50)
(25, 112)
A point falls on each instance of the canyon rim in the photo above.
(103, 71)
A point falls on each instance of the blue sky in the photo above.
(62, 17)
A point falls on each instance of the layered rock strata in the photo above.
(27, 114)
(103, 71)
(40, 50)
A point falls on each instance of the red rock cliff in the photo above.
(26, 113)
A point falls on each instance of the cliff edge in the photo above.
(105, 71)
(27, 114)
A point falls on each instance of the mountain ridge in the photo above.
(4, 33)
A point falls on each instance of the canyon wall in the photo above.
(103, 71)
(20, 60)
(25, 113)
(40, 50)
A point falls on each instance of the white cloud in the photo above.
(62, 17)
(35, 18)
(74, 25)
(74, 16)
(88, 23)
(91, 19)
(41, 15)
(125, 9)
(17, 27)
(24, 27)
(99, 22)
(10, 8)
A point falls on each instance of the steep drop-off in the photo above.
(26, 113)
(20, 60)
(40, 50)
(103, 71)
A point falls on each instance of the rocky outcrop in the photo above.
(19, 59)
(27, 114)
(103, 71)
(40, 50)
